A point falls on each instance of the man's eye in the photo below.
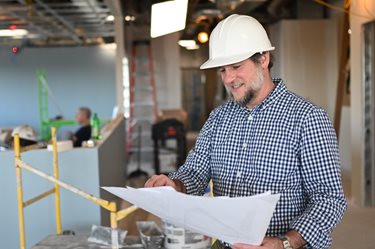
(222, 70)
(236, 66)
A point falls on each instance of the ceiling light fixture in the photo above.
(110, 18)
(14, 33)
(129, 18)
(187, 43)
(202, 37)
(168, 17)
(196, 46)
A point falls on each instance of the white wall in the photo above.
(306, 57)
(167, 71)
(77, 76)
(306, 61)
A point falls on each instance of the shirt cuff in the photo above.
(312, 233)
(191, 189)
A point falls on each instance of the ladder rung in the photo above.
(142, 75)
(143, 88)
(144, 133)
(136, 121)
(142, 61)
(135, 140)
(143, 149)
(136, 136)
(143, 103)
(145, 118)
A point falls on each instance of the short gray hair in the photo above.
(86, 111)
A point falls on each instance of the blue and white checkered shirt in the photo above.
(286, 145)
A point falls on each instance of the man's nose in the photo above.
(228, 76)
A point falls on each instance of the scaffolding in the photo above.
(115, 214)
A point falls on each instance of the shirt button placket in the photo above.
(244, 146)
(250, 119)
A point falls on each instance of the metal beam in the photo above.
(74, 36)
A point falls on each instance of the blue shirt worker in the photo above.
(265, 138)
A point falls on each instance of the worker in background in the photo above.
(83, 116)
(265, 138)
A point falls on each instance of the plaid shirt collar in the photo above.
(276, 93)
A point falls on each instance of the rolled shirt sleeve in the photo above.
(321, 179)
(195, 173)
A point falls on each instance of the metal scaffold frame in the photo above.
(115, 214)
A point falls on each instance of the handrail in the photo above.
(111, 206)
(103, 203)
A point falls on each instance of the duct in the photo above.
(238, 6)
(206, 14)
(276, 8)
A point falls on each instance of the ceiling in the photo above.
(57, 22)
(85, 22)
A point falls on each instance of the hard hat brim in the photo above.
(224, 61)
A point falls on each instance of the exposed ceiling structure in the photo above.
(88, 22)
(266, 10)
(56, 22)
(205, 14)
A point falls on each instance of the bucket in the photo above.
(180, 238)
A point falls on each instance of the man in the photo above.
(265, 138)
(83, 116)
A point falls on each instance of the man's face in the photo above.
(80, 117)
(243, 80)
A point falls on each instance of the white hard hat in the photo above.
(25, 132)
(235, 39)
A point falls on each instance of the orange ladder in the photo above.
(143, 104)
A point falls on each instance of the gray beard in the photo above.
(251, 92)
(249, 95)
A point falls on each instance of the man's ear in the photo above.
(264, 59)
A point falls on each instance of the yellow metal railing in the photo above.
(111, 206)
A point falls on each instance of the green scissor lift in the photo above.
(44, 121)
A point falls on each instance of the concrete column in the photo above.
(115, 6)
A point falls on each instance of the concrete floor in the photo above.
(357, 229)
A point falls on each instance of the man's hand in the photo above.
(294, 238)
(163, 180)
(268, 243)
